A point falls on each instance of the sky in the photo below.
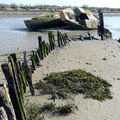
(90, 3)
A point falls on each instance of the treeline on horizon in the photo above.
(21, 7)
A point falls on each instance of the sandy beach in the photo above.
(101, 58)
(87, 55)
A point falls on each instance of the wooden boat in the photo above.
(72, 18)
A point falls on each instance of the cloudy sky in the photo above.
(98, 3)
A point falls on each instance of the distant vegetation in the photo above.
(48, 8)
(42, 8)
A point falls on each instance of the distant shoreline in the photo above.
(111, 14)
(18, 14)
(9, 14)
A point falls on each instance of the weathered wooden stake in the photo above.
(33, 63)
(58, 38)
(15, 70)
(40, 50)
(18, 107)
(61, 40)
(39, 41)
(101, 26)
(5, 102)
(53, 39)
(66, 37)
(44, 48)
(22, 76)
(48, 47)
(28, 75)
(64, 40)
(50, 39)
(38, 59)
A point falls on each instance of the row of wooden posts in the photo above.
(45, 48)
(19, 73)
(15, 76)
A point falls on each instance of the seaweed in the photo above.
(75, 82)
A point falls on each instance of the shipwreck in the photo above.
(71, 18)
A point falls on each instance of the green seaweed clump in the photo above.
(33, 112)
(36, 111)
(65, 109)
(63, 84)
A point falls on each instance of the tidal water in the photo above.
(113, 24)
(14, 36)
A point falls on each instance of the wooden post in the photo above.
(5, 102)
(20, 82)
(66, 37)
(48, 47)
(28, 74)
(53, 40)
(50, 39)
(61, 40)
(44, 49)
(64, 40)
(34, 57)
(40, 50)
(15, 69)
(17, 105)
(33, 63)
(38, 59)
(58, 38)
(101, 26)
(39, 41)
(13, 62)
(18, 79)
(22, 76)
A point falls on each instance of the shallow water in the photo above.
(14, 36)
(113, 23)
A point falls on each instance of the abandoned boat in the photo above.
(71, 18)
